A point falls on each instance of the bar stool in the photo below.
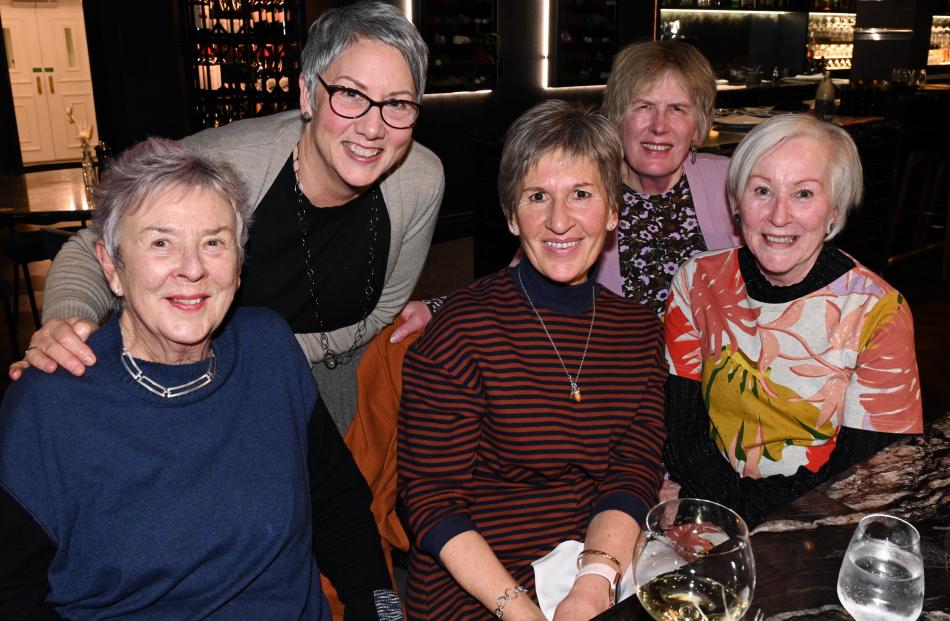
(26, 248)
(922, 212)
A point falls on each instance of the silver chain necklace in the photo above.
(575, 379)
(168, 392)
(332, 358)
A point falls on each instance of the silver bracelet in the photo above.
(502, 600)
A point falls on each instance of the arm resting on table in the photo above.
(345, 538)
(695, 463)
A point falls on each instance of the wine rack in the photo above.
(244, 58)
(584, 39)
(463, 42)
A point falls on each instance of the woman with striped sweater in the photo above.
(532, 410)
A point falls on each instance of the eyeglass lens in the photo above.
(352, 103)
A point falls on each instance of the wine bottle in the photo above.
(825, 98)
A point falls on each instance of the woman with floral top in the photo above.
(789, 361)
(660, 95)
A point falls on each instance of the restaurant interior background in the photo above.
(173, 67)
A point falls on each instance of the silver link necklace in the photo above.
(172, 391)
(576, 378)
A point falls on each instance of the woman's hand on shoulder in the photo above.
(415, 316)
(59, 343)
(589, 597)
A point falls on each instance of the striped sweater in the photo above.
(490, 440)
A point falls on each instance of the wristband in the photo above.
(591, 551)
(605, 571)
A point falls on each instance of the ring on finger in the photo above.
(26, 353)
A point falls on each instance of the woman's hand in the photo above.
(589, 597)
(415, 316)
(59, 343)
(670, 490)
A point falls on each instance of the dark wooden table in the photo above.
(798, 550)
(45, 197)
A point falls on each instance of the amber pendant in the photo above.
(576, 393)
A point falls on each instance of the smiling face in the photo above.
(656, 132)
(786, 209)
(179, 275)
(562, 216)
(341, 158)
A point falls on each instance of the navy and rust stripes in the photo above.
(489, 438)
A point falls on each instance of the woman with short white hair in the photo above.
(789, 360)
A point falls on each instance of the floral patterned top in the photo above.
(656, 235)
(780, 376)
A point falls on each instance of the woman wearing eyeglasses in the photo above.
(345, 204)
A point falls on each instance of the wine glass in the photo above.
(882, 575)
(693, 561)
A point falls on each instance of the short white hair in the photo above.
(844, 164)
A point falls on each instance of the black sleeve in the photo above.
(694, 462)
(346, 541)
(25, 556)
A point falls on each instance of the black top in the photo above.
(342, 254)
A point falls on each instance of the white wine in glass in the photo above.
(693, 562)
(882, 575)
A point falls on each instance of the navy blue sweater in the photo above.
(197, 506)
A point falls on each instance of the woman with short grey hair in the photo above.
(846, 181)
(344, 205)
(165, 166)
(789, 360)
(193, 471)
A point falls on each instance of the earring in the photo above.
(306, 116)
(831, 226)
(692, 154)
(611, 226)
(737, 219)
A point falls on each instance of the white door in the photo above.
(53, 77)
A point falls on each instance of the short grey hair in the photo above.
(339, 28)
(154, 167)
(844, 172)
(557, 125)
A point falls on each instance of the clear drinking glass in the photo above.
(882, 575)
(693, 561)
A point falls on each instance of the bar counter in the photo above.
(799, 549)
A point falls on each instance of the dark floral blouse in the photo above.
(656, 235)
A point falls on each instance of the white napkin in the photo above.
(554, 575)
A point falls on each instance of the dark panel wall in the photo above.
(136, 55)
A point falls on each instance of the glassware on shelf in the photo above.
(882, 574)
(693, 561)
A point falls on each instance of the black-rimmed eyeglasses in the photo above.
(352, 104)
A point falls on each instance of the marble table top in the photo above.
(798, 550)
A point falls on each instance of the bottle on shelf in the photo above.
(825, 98)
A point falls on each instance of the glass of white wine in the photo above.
(693, 561)
(882, 575)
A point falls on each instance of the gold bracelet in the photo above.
(610, 558)
(502, 600)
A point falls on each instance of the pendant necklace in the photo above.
(168, 392)
(332, 358)
(576, 378)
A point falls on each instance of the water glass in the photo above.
(882, 575)
(693, 561)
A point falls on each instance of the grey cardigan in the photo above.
(258, 148)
